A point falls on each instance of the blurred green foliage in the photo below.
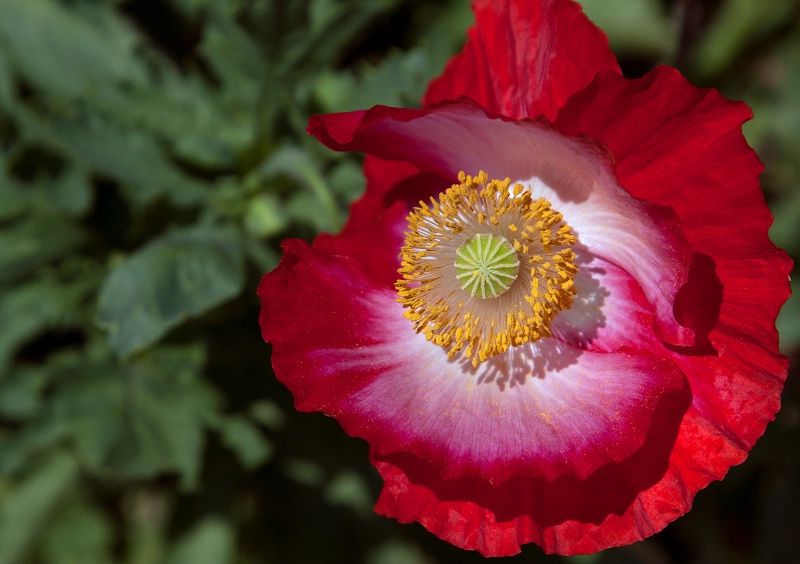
(152, 157)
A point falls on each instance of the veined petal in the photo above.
(525, 58)
(545, 409)
(737, 389)
(618, 504)
(732, 398)
(575, 175)
(682, 147)
(609, 312)
(336, 311)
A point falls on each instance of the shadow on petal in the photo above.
(516, 365)
(585, 318)
(552, 354)
(697, 305)
(422, 186)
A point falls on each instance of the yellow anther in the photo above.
(459, 307)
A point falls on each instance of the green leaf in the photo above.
(132, 157)
(210, 542)
(305, 472)
(788, 322)
(44, 304)
(640, 27)
(244, 438)
(397, 552)
(211, 151)
(180, 111)
(265, 216)
(784, 230)
(18, 449)
(79, 533)
(180, 275)
(347, 179)
(13, 201)
(198, 123)
(25, 507)
(441, 28)
(33, 242)
(739, 24)
(299, 166)
(399, 80)
(68, 190)
(6, 83)
(146, 521)
(138, 419)
(62, 53)
(264, 257)
(333, 26)
(268, 413)
(21, 393)
(302, 208)
(774, 131)
(234, 56)
(350, 490)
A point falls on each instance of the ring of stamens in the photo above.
(485, 267)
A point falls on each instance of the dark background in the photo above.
(152, 157)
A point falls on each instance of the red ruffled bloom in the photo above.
(654, 364)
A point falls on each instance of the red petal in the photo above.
(619, 504)
(609, 312)
(524, 59)
(682, 147)
(375, 229)
(573, 174)
(537, 410)
(544, 409)
(565, 516)
(674, 146)
(312, 303)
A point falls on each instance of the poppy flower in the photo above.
(551, 315)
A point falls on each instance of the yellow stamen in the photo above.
(530, 265)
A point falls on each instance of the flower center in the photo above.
(485, 267)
